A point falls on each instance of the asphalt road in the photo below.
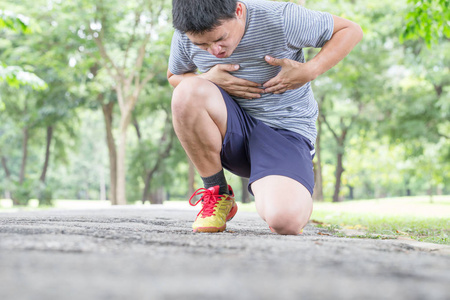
(151, 253)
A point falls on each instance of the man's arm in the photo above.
(219, 74)
(293, 74)
(346, 35)
(174, 80)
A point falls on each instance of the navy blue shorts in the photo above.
(254, 150)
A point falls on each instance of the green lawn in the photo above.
(407, 217)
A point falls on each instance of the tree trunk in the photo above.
(125, 120)
(108, 116)
(47, 153)
(351, 190)
(158, 196)
(121, 169)
(338, 175)
(5, 167)
(24, 155)
(318, 186)
(245, 198)
(102, 183)
(8, 176)
(146, 194)
(191, 178)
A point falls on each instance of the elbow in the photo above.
(170, 79)
(358, 32)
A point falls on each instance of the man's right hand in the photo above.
(219, 74)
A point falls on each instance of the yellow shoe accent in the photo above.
(216, 210)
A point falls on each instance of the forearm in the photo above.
(338, 47)
(174, 80)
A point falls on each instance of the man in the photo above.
(243, 101)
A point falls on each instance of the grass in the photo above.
(408, 217)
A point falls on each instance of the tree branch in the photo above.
(354, 117)
(141, 52)
(136, 126)
(329, 127)
(99, 42)
(137, 18)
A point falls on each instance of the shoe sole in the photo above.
(210, 229)
(230, 216)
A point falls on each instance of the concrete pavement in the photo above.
(151, 253)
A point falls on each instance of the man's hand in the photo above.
(293, 75)
(219, 74)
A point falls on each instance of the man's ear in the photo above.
(239, 9)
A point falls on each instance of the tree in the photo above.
(122, 55)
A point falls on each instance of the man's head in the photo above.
(200, 16)
(216, 26)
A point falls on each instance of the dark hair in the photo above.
(200, 16)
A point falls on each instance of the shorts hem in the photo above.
(285, 173)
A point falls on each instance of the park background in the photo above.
(85, 105)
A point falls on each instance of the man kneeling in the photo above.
(243, 101)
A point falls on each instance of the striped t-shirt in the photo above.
(278, 29)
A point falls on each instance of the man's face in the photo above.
(222, 40)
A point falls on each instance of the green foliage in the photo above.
(428, 20)
(16, 77)
(11, 21)
(397, 95)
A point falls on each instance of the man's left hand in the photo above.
(293, 75)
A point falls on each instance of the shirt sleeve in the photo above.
(306, 28)
(179, 61)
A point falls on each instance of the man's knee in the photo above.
(189, 95)
(287, 221)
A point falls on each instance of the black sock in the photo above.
(217, 179)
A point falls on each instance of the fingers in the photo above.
(275, 86)
(248, 96)
(246, 83)
(273, 61)
(236, 81)
(236, 86)
(277, 89)
(228, 67)
(271, 82)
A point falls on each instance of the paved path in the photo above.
(151, 253)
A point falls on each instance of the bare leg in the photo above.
(200, 122)
(284, 203)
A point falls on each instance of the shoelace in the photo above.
(209, 201)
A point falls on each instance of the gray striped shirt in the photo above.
(278, 29)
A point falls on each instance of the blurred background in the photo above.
(85, 104)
